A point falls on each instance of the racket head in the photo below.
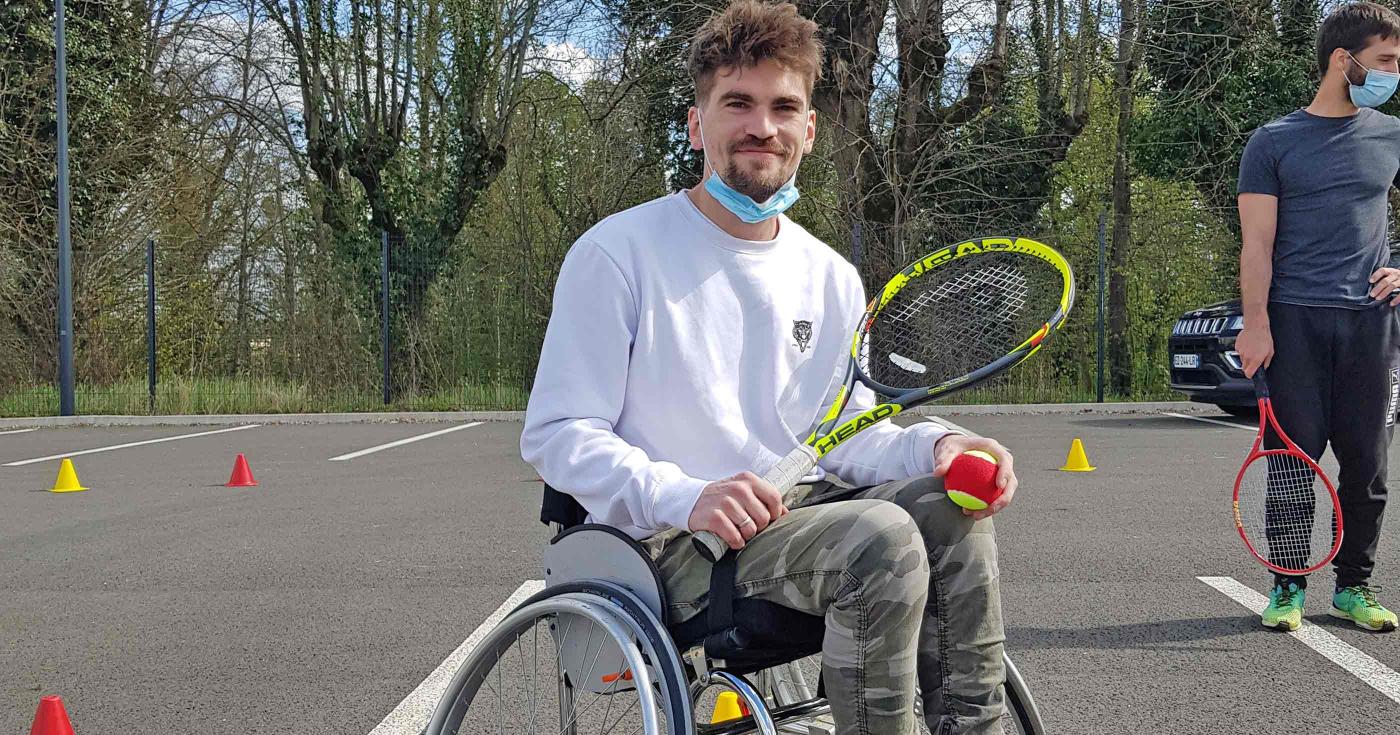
(1285, 506)
(960, 315)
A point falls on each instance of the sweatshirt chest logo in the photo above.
(802, 332)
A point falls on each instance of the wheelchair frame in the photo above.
(596, 574)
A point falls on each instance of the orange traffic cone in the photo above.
(242, 475)
(51, 719)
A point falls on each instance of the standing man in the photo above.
(1318, 298)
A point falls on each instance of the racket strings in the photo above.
(1280, 496)
(958, 318)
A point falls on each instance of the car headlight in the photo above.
(1237, 323)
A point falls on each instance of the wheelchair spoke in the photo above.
(592, 659)
(500, 719)
(630, 707)
(535, 680)
(608, 712)
(534, 673)
(596, 698)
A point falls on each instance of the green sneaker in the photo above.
(1285, 610)
(1358, 604)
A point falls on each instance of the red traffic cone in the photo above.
(242, 476)
(51, 719)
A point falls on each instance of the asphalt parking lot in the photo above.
(317, 602)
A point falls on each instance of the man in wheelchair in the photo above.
(691, 337)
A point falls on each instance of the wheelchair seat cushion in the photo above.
(763, 634)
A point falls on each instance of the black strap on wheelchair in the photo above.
(721, 597)
(722, 576)
(746, 633)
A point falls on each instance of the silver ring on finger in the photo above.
(745, 522)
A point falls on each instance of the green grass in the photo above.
(183, 396)
(1012, 393)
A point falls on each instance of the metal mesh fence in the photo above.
(285, 328)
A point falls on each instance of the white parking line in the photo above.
(16, 431)
(402, 442)
(413, 713)
(125, 446)
(1363, 667)
(1231, 424)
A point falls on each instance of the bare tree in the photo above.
(364, 70)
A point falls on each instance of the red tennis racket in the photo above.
(1286, 508)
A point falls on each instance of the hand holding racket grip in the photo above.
(784, 476)
(1261, 386)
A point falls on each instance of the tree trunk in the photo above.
(1120, 348)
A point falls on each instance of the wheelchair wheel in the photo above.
(1022, 716)
(583, 657)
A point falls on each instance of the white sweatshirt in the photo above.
(678, 355)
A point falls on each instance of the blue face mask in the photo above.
(1379, 86)
(742, 205)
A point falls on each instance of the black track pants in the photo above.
(1335, 377)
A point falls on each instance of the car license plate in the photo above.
(1186, 361)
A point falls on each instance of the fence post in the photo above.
(384, 309)
(151, 324)
(856, 245)
(1099, 322)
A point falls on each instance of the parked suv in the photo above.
(1204, 363)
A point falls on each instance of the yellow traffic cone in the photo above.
(728, 707)
(67, 481)
(1077, 461)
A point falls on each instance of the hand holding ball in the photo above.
(971, 481)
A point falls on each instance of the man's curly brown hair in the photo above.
(750, 31)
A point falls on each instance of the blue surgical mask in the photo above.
(1379, 86)
(742, 205)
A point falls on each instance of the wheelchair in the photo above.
(596, 652)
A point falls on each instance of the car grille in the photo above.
(1203, 378)
(1206, 325)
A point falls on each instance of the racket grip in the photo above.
(1261, 386)
(783, 476)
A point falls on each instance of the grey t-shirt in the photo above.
(1331, 176)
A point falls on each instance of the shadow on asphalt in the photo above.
(1167, 635)
(1157, 422)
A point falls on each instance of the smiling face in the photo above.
(757, 125)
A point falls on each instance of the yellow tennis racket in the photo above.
(946, 322)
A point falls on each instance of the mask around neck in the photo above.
(742, 205)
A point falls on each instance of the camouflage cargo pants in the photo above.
(909, 589)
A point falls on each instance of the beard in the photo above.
(761, 185)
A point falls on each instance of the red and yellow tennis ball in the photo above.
(971, 481)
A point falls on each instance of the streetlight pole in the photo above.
(65, 245)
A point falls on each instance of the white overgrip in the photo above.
(783, 476)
